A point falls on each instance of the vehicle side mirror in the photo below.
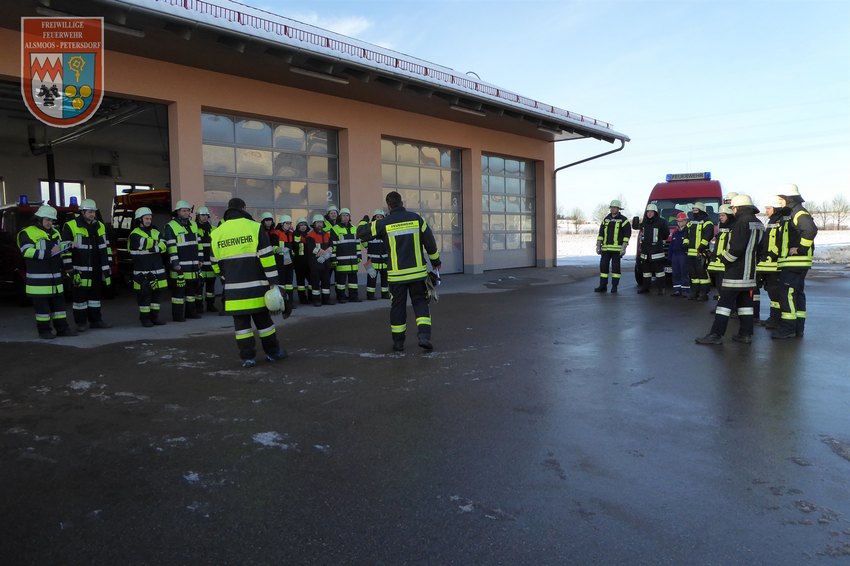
(635, 222)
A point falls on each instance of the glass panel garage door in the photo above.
(428, 179)
(507, 187)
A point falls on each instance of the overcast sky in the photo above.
(757, 92)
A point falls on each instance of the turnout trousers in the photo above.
(741, 300)
(792, 301)
(86, 302)
(50, 308)
(609, 268)
(245, 340)
(398, 309)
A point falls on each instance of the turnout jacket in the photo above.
(614, 232)
(146, 247)
(314, 242)
(655, 232)
(243, 256)
(205, 237)
(299, 241)
(90, 256)
(346, 246)
(775, 242)
(700, 233)
(44, 271)
(720, 245)
(741, 254)
(184, 248)
(406, 234)
(802, 230)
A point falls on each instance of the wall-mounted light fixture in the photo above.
(466, 110)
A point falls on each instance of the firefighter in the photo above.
(611, 244)
(146, 247)
(88, 265)
(206, 284)
(715, 266)
(739, 277)
(243, 256)
(346, 252)
(678, 256)
(42, 248)
(376, 263)
(300, 261)
(794, 264)
(406, 234)
(319, 251)
(700, 233)
(773, 246)
(654, 232)
(284, 252)
(185, 256)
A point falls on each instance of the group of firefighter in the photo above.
(296, 257)
(738, 259)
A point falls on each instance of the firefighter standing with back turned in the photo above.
(88, 264)
(243, 256)
(406, 233)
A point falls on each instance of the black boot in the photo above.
(370, 296)
(211, 305)
(398, 341)
(354, 295)
(302, 298)
(385, 294)
(199, 305)
(290, 297)
(340, 296)
(145, 319)
(190, 310)
(178, 313)
(155, 319)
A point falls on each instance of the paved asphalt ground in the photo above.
(551, 425)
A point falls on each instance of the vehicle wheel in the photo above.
(638, 272)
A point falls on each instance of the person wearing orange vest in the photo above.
(300, 260)
(318, 247)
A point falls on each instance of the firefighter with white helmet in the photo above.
(715, 266)
(318, 247)
(377, 259)
(42, 249)
(284, 254)
(654, 231)
(346, 246)
(89, 265)
(185, 254)
(206, 284)
(300, 261)
(700, 234)
(243, 256)
(795, 263)
(611, 244)
(773, 246)
(146, 247)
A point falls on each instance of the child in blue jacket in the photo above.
(678, 256)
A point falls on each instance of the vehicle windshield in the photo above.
(669, 208)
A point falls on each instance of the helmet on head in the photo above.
(46, 211)
(742, 200)
(274, 300)
(651, 207)
(615, 204)
(681, 216)
(267, 216)
(730, 196)
(725, 209)
(318, 218)
(284, 218)
(203, 210)
(301, 219)
(788, 190)
(344, 211)
(379, 211)
(699, 206)
(142, 211)
(333, 208)
(774, 202)
(181, 204)
(88, 204)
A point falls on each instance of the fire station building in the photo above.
(216, 100)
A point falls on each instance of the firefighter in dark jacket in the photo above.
(185, 254)
(89, 265)
(346, 248)
(243, 256)
(319, 251)
(715, 266)
(773, 246)
(611, 244)
(739, 277)
(406, 234)
(42, 249)
(146, 247)
(206, 284)
(700, 234)
(794, 264)
(678, 256)
(654, 232)
(376, 264)
(283, 253)
(300, 260)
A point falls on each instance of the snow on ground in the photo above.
(831, 246)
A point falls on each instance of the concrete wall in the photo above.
(187, 91)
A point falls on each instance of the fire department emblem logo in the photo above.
(62, 68)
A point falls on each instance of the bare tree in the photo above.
(840, 210)
(577, 216)
(600, 212)
(820, 212)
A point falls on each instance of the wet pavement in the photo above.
(551, 425)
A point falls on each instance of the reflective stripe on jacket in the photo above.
(44, 271)
(801, 235)
(146, 247)
(184, 248)
(614, 233)
(91, 255)
(406, 234)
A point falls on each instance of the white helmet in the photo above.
(651, 207)
(344, 211)
(725, 209)
(788, 190)
(730, 196)
(203, 210)
(45, 211)
(302, 219)
(274, 300)
(333, 208)
(88, 204)
(283, 218)
(742, 200)
(182, 204)
(267, 216)
(774, 202)
(379, 211)
(615, 204)
(142, 211)
(699, 206)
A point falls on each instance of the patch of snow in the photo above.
(270, 439)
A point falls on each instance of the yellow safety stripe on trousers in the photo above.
(791, 314)
(266, 332)
(398, 328)
(244, 334)
(423, 321)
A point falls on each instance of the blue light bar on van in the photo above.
(22, 200)
(73, 201)
(705, 176)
